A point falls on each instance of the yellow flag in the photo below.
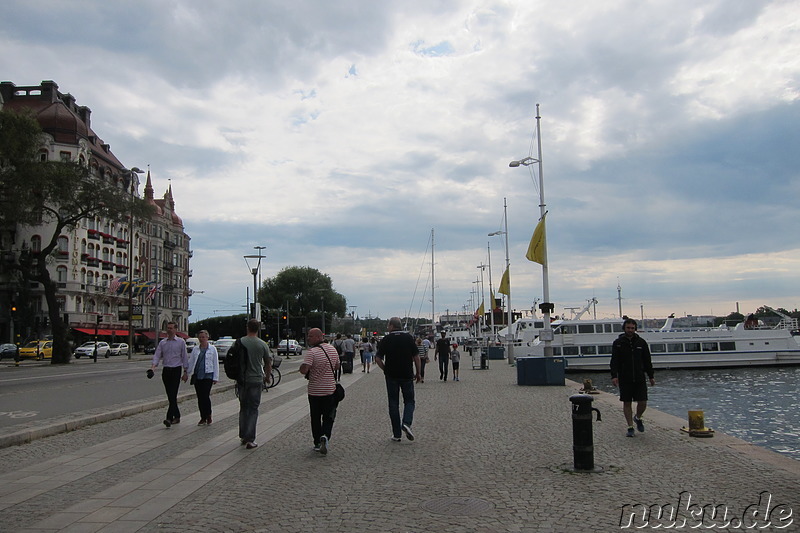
(480, 310)
(505, 285)
(493, 302)
(537, 247)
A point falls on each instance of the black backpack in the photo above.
(234, 362)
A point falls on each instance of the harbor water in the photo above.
(757, 405)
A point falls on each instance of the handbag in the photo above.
(338, 394)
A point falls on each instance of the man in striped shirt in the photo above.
(319, 366)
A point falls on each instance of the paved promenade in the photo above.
(489, 456)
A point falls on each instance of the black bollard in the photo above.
(582, 440)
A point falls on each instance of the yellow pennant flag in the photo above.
(493, 302)
(537, 247)
(505, 285)
(480, 310)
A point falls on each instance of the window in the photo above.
(585, 328)
(588, 350)
(617, 328)
(727, 346)
(692, 346)
(65, 156)
(36, 243)
(61, 274)
(658, 348)
(557, 351)
(605, 349)
(570, 350)
(710, 347)
(63, 244)
(674, 347)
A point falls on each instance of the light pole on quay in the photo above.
(255, 270)
(510, 336)
(546, 306)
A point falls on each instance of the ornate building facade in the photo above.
(92, 259)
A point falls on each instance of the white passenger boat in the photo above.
(586, 344)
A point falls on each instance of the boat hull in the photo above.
(601, 363)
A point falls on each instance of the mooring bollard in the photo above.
(582, 440)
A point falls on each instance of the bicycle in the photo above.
(274, 377)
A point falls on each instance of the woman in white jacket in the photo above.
(204, 372)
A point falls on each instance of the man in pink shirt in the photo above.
(172, 353)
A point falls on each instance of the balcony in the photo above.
(62, 256)
(169, 245)
(168, 266)
(108, 265)
(122, 243)
(107, 238)
(93, 234)
(167, 288)
(120, 269)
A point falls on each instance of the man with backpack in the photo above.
(256, 366)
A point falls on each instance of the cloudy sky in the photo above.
(339, 134)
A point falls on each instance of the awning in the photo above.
(117, 332)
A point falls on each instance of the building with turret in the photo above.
(98, 256)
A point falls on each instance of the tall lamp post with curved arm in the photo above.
(546, 306)
(134, 184)
(511, 334)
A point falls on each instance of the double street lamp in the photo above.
(255, 311)
(546, 306)
(134, 184)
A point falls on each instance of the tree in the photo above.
(306, 289)
(54, 196)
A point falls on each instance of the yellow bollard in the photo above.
(697, 425)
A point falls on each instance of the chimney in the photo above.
(86, 115)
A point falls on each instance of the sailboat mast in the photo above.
(433, 288)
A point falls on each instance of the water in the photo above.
(757, 405)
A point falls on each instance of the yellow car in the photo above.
(37, 350)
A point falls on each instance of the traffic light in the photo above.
(284, 319)
(13, 307)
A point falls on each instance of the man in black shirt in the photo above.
(398, 357)
(442, 353)
(630, 362)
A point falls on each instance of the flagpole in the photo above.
(491, 289)
(513, 334)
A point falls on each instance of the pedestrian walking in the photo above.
(368, 354)
(631, 365)
(423, 357)
(455, 359)
(338, 343)
(203, 374)
(442, 353)
(349, 347)
(319, 367)
(171, 354)
(398, 357)
(257, 366)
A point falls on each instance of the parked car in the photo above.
(150, 349)
(37, 349)
(191, 342)
(118, 348)
(223, 344)
(87, 349)
(8, 350)
(294, 347)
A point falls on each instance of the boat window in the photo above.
(673, 347)
(567, 329)
(604, 349)
(570, 350)
(617, 328)
(658, 348)
(585, 328)
(588, 350)
(692, 346)
(608, 328)
(727, 346)
(710, 347)
(538, 325)
(557, 350)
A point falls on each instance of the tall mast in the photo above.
(433, 288)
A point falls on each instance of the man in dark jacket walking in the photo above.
(630, 367)
(398, 357)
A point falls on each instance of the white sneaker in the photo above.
(323, 445)
(407, 431)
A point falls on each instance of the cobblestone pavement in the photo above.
(489, 455)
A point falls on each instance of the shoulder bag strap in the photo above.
(329, 362)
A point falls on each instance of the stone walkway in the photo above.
(489, 456)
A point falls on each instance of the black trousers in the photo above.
(171, 376)
(203, 389)
(323, 414)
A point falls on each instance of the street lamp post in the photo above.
(255, 270)
(511, 335)
(133, 185)
(546, 306)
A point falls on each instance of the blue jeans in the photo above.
(249, 400)
(393, 388)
